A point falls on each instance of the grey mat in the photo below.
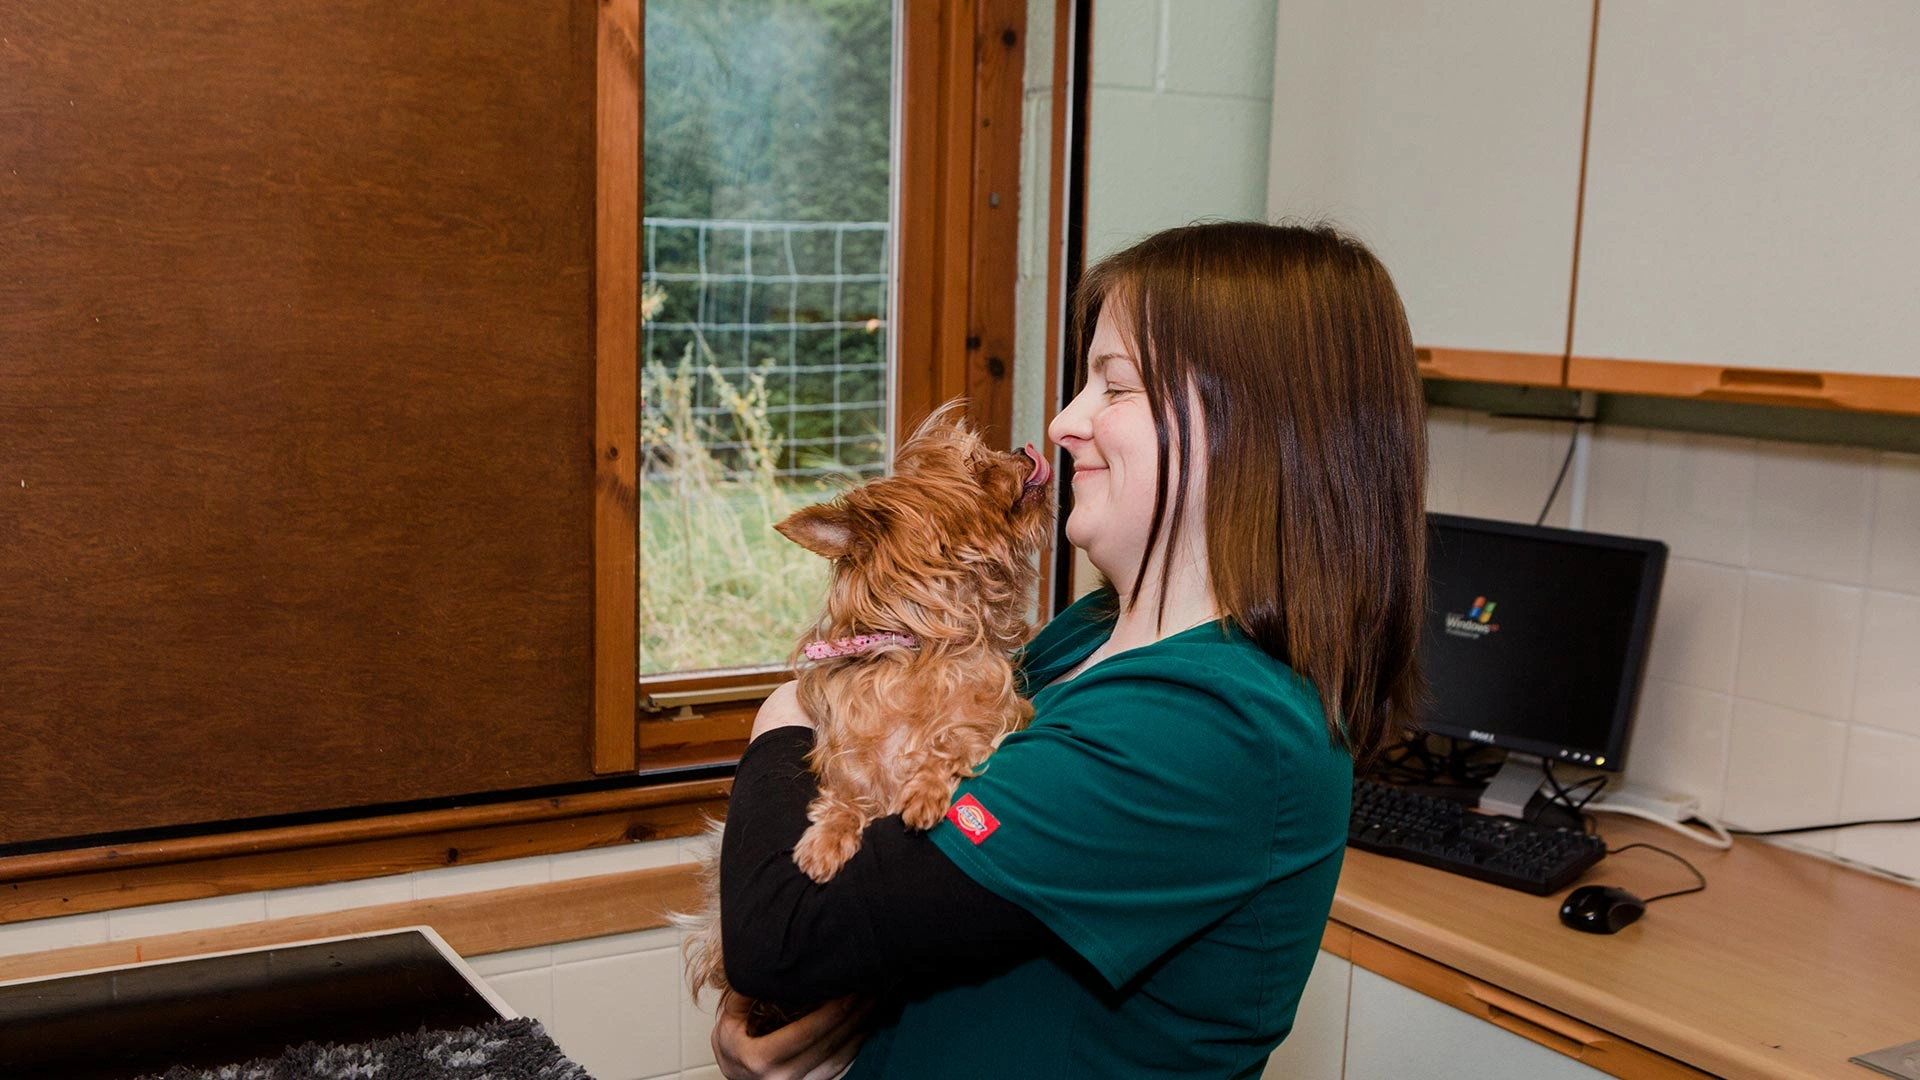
(503, 1050)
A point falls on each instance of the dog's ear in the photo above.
(826, 530)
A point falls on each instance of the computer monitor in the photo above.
(1535, 638)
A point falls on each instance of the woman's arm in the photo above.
(898, 914)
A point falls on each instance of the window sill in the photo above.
(111, 877)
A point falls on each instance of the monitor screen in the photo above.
(1535, 638)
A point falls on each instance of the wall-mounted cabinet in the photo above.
(1751, 186)
(1747, 229)
(1750, 209)
(1447, 137)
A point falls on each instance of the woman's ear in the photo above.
(826, 530)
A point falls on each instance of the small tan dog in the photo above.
(907, 676)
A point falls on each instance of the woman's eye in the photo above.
(1115, 391)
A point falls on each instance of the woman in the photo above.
(1136, 884)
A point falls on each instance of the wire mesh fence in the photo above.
(800, 307)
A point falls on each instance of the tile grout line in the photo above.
(1163, 47)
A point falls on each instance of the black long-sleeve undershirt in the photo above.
(898, 916)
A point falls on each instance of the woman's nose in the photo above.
(1059, 433)
(1069, 425)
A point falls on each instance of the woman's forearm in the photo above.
(899, 914)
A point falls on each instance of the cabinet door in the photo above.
(1394, 1031)
(1447, 136)
(1751, 186)
(1317, 1045)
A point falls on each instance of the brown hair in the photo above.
(1293, 341)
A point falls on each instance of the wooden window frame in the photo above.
(959, 128)
(954, 322)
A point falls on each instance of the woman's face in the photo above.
(1108, 429)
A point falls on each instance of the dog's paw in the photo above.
(924, 805)
(823, 850)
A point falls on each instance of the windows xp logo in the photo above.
(1476, 623)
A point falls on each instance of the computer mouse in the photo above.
(1601, 909)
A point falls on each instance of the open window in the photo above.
(331, 509)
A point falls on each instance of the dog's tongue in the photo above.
(1042, 472)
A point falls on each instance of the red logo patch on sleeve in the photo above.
(971, 818)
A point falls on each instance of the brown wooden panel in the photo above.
(936, 143)
(999, 73)
(296, 406)
(1337, 939)
(616, 499)
(474, 924)
(1756, 386)
(1478, 365)
(104, 879)
(715, 735)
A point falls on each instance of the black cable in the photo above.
(1692, 869)
(1823, 828)
(1564, 462)
(1563, 794)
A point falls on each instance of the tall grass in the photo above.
(718, 586)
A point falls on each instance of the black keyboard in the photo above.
(1437, 832)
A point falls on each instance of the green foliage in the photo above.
(772, 111)
(769, 110)
(718, 586)
(760, 111)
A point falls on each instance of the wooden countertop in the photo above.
(1784, 967)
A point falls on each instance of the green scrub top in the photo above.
(1176, 814)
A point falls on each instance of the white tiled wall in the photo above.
(1784, 683)
(1178, 123)
(617, 1005)
(1030, 282)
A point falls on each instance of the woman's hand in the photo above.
(781, 709)
(818, 1046)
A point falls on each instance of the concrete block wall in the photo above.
(1178, 125)
(1179, 121)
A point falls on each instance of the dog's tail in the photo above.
(700, 944)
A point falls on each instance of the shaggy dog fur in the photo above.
(942, 550)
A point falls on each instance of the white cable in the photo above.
(1720, 839)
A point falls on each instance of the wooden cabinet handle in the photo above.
(1786, 386)
(1553, 1029)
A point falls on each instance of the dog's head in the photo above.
(942, 549)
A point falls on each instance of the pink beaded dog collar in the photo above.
(856, 645)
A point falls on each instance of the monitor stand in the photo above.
(1513, 786)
